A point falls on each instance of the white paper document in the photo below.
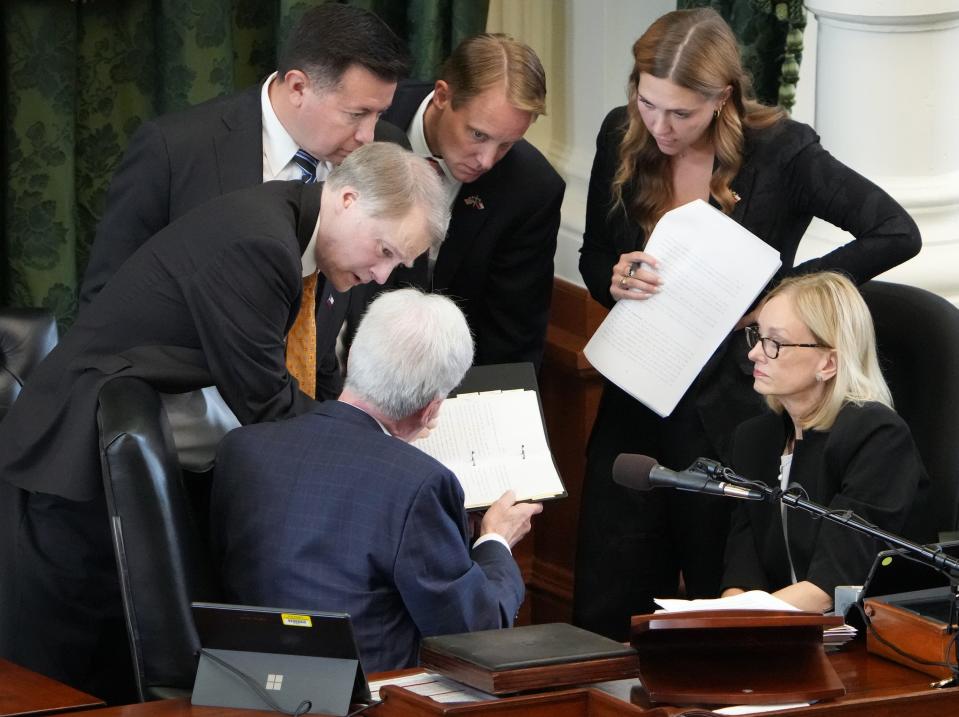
(436, 687)
(495, 441)
(752, 600)
(712, 269)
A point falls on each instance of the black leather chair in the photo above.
(162, 557)
(918, 337)
(26, 336)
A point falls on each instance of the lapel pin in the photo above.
(474, 202)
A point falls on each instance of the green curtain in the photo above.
(79, 76)
(770, 33)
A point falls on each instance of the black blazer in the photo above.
(207, 301)
(179, 161)
(867, 463)
(362, 523)
(497, 259)
(786, 179)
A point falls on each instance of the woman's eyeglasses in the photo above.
(771, 346)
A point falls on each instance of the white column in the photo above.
(887, 105)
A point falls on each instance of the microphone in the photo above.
(639, 472)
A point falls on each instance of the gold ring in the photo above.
(622, 282)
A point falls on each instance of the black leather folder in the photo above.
(528, 658)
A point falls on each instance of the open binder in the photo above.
(492, 435)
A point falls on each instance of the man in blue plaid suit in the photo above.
(336, 511)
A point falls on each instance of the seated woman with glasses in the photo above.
(832, 431)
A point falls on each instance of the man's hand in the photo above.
(509, 519)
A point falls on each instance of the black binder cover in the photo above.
(527, 646)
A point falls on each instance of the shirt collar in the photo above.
(358, 408)
(278, 145)
(417, 137)
(308, 260)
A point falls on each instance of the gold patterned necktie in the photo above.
(301, 341)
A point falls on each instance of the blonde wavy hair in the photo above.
(830, 305)
(694, 49)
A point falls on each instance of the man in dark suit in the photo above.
(337, 73)
(207, 301)
(334, 510)
(497, 259)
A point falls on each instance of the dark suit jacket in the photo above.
(327, 512)
(179, 161)
(497, 261)
(207, 301)
(786, 179)
(867, 463)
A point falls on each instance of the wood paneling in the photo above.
(23, 692)
(570, 390)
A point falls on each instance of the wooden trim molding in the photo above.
(570, 390)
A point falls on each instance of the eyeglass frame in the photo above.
(753, 331)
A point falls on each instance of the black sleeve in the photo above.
(822, 186)
(742, 565)
(519, 286)
(242, 305)
(872, 454)
(599, 252)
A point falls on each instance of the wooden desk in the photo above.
(876, 688)
(23, 692)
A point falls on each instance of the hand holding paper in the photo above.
(713, 268)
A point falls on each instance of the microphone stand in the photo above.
(935, 558)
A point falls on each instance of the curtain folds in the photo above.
(770, 33)
(79, 76)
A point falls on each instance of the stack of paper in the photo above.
(712, 269)
(753, 600)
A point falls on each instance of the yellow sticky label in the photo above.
(291, 620)
(886, 561)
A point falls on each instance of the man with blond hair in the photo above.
(505, 198)
(208, 301)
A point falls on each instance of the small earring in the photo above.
(818, 377)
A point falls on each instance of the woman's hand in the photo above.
(635, 277)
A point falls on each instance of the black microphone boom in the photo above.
(640, 472)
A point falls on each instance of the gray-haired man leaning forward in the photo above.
(335, 510)
(207, 301)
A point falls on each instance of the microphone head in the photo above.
(631, 470)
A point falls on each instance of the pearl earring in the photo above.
(818, 377)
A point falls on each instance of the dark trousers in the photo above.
(60, 608)
(632, 546)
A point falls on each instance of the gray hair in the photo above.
(390, 181)
(409, 349)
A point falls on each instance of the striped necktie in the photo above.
(301, 341)
(307, 164)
